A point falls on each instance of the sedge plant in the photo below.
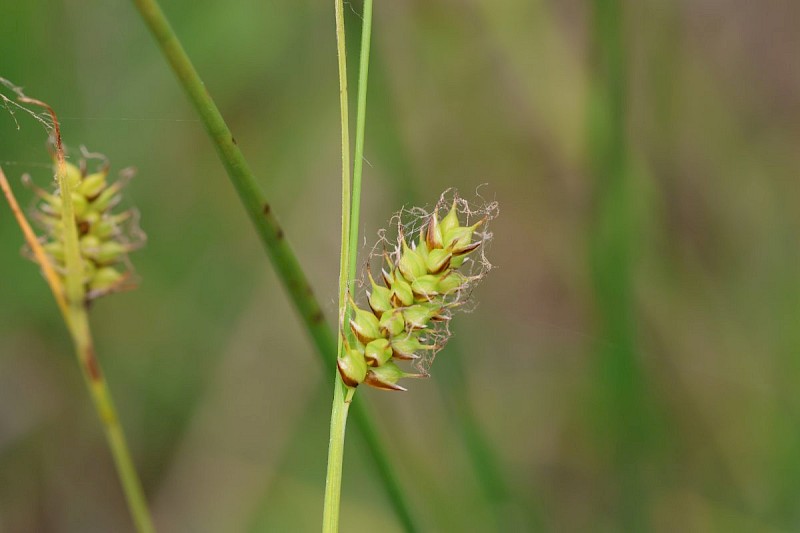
(427, 274)
(83, 256)
(272, 235)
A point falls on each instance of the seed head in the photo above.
(424, 280)
(105, 237)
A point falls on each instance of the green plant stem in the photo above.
(333, 477)
(271, 235)
(77, 321)
(344, 270)
(624, 412)
(341, 397)
(361, 120)
(397, 497)
(104, 405)
(256, 205)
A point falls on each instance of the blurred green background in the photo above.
(633, 363)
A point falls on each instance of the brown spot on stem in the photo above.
(266, 209)
(92, 368)
(279, 234)
(233, 140)
(317, 317)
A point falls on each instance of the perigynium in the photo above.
(428, 273)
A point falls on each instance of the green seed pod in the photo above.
(411, 264)
(104, 279)
(422, 249)
(459, 240)
(386, 377)
(449, 222)
(89, 272)
(91, 217)
(406, 347)
(426, 287)
(73, 175)
(92, 185)
(106, 198)
(90, 246)
(402, 294)
(438, 260)
(377, 352)
(103, 228)
(417, 316)
(55, 249)
(110, 252)
(392, 323)
(379, 298)
(433, 234)
(352, 367)
(79, 204)
(365, 325)
(452, 282)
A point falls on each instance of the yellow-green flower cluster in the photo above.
(421, 285)
(104, 244)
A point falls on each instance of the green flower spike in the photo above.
(409, 314)
(106, 238)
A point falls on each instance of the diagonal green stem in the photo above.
(271, 234)
(256, 205)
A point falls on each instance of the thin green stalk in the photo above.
(71, 303)
(271, 234)
(397, 497)
(78, 324)
(350, 224)
(256, 205)
(344, 259)
(104, 405)
(624, 413)
(333, 477)
(361, 120)
(341, 397)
